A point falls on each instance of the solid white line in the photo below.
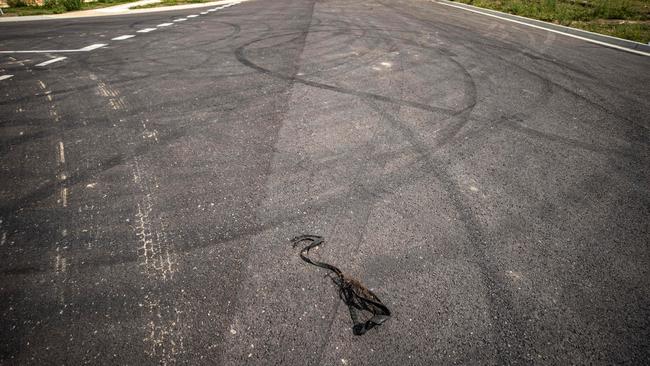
(52, 61)
(164, 25)
(550, 30)
(180, 20)
(211, 10)
(85, 49)
(203, 13)
(121, 38)
(146, 30)
(192, 16)
(5, 77)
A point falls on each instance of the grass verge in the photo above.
(58, 7)
(171, 3)
(628, 19)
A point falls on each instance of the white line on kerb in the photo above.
(52, 61)
(192, 16)
(164, 25)
(121, 38)
(180, 20)
(5, 77)
(146, 30)
(549, 30)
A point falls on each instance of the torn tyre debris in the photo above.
(355, 295)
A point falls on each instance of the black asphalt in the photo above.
(488, 181)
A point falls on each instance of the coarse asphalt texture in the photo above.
(488, 181)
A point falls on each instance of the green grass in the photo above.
(171, 3)
(57, 7)
(629, 19)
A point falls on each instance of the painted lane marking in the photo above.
(549, 30)
(84, 49)
(211, 10)
(146, 30)
(192, 16)
(204, 12)
(93, 47)
(5, 77)
(164, 25)
(61, 153)
(121, 38)
(51, 61)
(180, 20)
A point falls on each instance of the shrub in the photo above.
(71, 4)
(16, 3)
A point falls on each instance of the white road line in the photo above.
(5, 77)
(146, 30)
(61, 153)
(164, 25)
(211, 10)
(51, 61)
(121, 38)
(549, 30)
(85, 49)
(93, 47)
(204, 12)
(192, 16)
(180, 20)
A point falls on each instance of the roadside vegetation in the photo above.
(20, 7)
(171, 3)
(629, 19)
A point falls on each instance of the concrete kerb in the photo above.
(618, 43)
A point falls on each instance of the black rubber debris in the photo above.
(362, 303)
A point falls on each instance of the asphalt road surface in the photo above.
(488, 181)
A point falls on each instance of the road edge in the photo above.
(596, 38)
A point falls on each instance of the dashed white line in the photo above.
(192, 16)
(5, 77)
(52, 61)
(64, 198)
(61, 153)
(180, 20)
(146, 30)
(204, 12)
(93, 47)
(164, 25)
(121, 38)
(211, 10)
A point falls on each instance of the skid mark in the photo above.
(163, 338)
(155, 252)
(163, 341)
